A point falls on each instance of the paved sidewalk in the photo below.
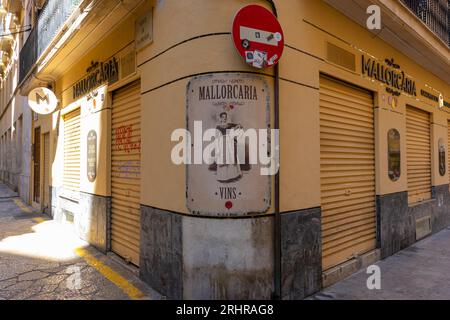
(41, 259)
(420, 272)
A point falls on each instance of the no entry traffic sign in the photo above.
(258, 36)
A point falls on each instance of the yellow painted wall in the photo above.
(96, 119)
(117, 43)
(192, 37)
(308, 26)
(164, 102)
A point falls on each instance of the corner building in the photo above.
(364, 139)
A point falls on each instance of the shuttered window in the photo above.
(71, 177)
(126, 172)
(418, 152)
(347, 172)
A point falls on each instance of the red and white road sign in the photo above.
(258, 36)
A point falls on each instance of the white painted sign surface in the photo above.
(144, 30)
(42, 100)
(224, 102)
(260, 36)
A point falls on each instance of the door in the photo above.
(418, 154)
(46, 184)
(37, 166)
(125, 172)
(347, 172)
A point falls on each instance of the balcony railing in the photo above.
(50, 21)
(435, 14)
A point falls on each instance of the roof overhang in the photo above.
(93, 20)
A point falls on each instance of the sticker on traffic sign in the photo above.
(258, 36)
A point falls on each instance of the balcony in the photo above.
(50, 22)
(435, 14)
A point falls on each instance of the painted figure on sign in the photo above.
(226, 160)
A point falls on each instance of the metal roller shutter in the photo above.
(347, 172)
(37, 164)
(418, 154)
(125, 172)
(46, 171)
(71, 177)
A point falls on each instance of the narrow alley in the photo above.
(39, 260)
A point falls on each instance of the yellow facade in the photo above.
(308, 27)
(192, 37)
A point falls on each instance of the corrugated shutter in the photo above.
(46, 170)
(347, 172)
(126, 172)
(71, 177)
(418, 154)
(36, 163)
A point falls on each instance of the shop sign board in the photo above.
(390, 74)
(397, 81)
(258, 36)
(144, 30)
(98, 73)
(42, 100)
(92, 155)
(219, 182)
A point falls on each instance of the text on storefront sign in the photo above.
(389, 74)
(98, 74)
(238, 92)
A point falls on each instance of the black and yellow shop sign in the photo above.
(98, 73)
(439, 99)
(390, 74)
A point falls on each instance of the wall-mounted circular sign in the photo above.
(42, 100)
(258, 36)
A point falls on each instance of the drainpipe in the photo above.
(277, 220)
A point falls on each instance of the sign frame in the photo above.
(41, 94)
(143, 30)
(91, 165)
(264, 200)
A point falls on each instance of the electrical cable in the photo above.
(14, 33)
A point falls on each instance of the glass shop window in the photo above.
(394, 160)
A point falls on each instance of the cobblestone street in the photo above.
(40, 259)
